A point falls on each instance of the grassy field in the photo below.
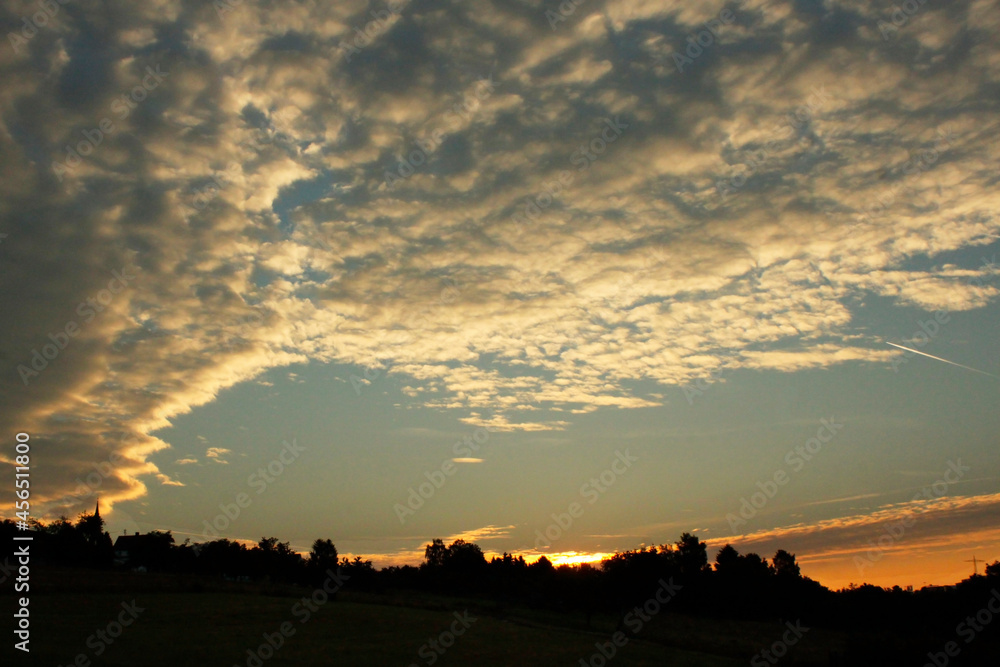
(216, 625)
(218, 628)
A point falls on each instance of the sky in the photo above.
(560, 279)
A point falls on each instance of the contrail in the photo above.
(968, 368)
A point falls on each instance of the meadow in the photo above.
(183, 621)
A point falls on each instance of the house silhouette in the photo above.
(132, 550)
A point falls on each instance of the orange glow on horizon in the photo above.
(574, 557)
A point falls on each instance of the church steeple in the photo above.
(97, 510)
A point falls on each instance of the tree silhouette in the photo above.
(754, 568)
(509, 564)
(360, 573)
(727, 561)
(434, 554)
(785, 565)
(154, 550)
(322, 556)
(226, 558)
(543, 564)
(692, 555)
(98, 550)
(464, 557)
(322, 559)
(91, 527)
(276, 560)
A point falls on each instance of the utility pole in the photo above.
(975, 565)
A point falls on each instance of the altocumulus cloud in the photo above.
(636, 266)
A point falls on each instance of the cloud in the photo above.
(925, 523)
(599, 218)
(845, 499)
(217, 454)
(167, 481)
(485, 533)
(184, 462)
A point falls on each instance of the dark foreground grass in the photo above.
(218, 628)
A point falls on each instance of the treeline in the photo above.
(86, 544)
(881, 622)
(737, 583)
